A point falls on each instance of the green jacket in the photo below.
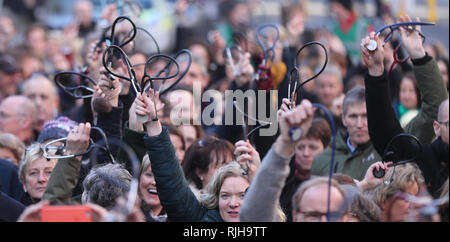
(354, 164)
(174, 193)
(432, 92)
(62, 181)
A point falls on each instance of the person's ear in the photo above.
(200, 174)
(437, 128)
(344, 122)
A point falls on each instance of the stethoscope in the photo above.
(372, 45)
(389, 155)
(296, 133)
(56, 149)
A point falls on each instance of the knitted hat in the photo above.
(56, 129)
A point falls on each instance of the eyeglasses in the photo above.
(315, 216)
(444, 123)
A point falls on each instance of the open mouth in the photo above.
(152, 191)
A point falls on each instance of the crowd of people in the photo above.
(366, 140)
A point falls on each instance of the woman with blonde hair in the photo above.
(34, 173)
(390, 195)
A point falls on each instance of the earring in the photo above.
(201, 178)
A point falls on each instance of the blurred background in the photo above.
(157, 15)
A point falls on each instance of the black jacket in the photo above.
(432, 159)
(174, 193)
(10, 209)
(9, 180)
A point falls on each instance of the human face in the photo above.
(444, 71)
(408, 95)
(355, 120)
(327, 88)
(7, 154)
(213, 167)
(9, 118)
(147, 188)
(441, 126)
(314, 203)
(400, 207)
(194, 75)
(231, 196)
(139, 69)
(201, 51)
(37, 176)
(8, 84)
(178, 144)
(37, 40)
(43, 95)
(182, 103)
(189, 134)
(306, 150)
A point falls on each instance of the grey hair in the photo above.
(40, 78)
(355, 95)
(331, 70)
(104, 184)
(32, 153)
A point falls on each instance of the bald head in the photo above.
(443, 111)
(441, 124)
(20, 105)
(18, 116)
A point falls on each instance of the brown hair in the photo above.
(320, 130)
(175, 131)
(202, 153)
(412, 77)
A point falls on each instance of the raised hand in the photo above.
(247, 156)
(109, 88)
(411, 39)
(370, 180)
(145, 107)
(373, 59)
(78, 139)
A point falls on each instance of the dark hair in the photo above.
(202, 153)
(412, 77)
(175, 131)
(320, 129)
(34, 27)
(345, 3)
(197, 41)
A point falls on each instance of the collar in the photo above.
(352, 149)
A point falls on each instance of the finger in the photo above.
(244, 158)
(418, 27)
(81, 128)
(142, 110)
(242, 149)
(240, 143)
(387, 164)
(87, 130)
